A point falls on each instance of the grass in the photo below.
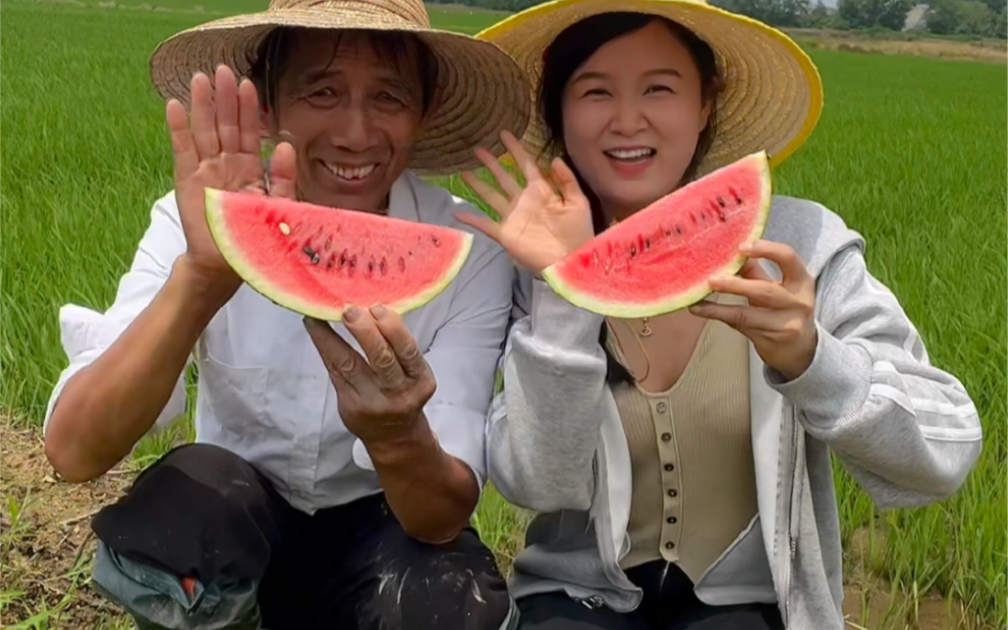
(909, 151)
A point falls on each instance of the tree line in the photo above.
(979, 18)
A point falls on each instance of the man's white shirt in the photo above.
(263, 390)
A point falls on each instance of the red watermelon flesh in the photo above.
(317, 260)
(660, 259)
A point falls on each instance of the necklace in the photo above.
(617, 346)
(645, 330)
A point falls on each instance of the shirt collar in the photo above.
(403, 200)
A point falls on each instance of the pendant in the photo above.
(645, 330)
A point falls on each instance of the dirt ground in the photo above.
(47, 547)
(46, 540)
(993, 51)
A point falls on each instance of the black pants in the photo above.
(203, 511)
(669, 604)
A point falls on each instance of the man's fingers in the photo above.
(183, 146)
(379, 353)
(283, 172)
(405, 347)
(340, 359)
(226, 103)
(488, 193)
(204, 128)
(248, 118)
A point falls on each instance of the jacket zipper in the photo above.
(792, 539)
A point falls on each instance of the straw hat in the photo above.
(481, 90)
(772, 92)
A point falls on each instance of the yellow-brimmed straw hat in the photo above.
(772, 94)
(481, 91)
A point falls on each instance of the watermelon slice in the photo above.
(317, 261)
(660, 259)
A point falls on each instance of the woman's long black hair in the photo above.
(575, 45)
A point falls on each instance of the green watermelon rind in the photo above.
(682, 299)
(237, 261)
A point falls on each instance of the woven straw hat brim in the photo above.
(772, 95)
(481, 90)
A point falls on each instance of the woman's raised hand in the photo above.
(540, 223)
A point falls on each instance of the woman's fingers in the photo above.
(487, 193)
(528, 166)
(569, 187)
(505, 180)
(482, 223)
(793, 270)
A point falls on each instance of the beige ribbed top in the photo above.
(694, 486)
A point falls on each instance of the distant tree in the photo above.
(785, 13)
(994, 5)
(822, 17)
(889, 14)
(965, 17)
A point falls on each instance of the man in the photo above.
(334, 472)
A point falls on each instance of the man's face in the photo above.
(353, 115)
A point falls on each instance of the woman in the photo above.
(681, 464)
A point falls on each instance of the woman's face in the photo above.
(632, 114)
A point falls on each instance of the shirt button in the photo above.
(662, 407)
(673, 492)
(671, 520)
(666, 437)
(669, 545)
(669, 467)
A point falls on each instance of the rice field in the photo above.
(910, 151)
